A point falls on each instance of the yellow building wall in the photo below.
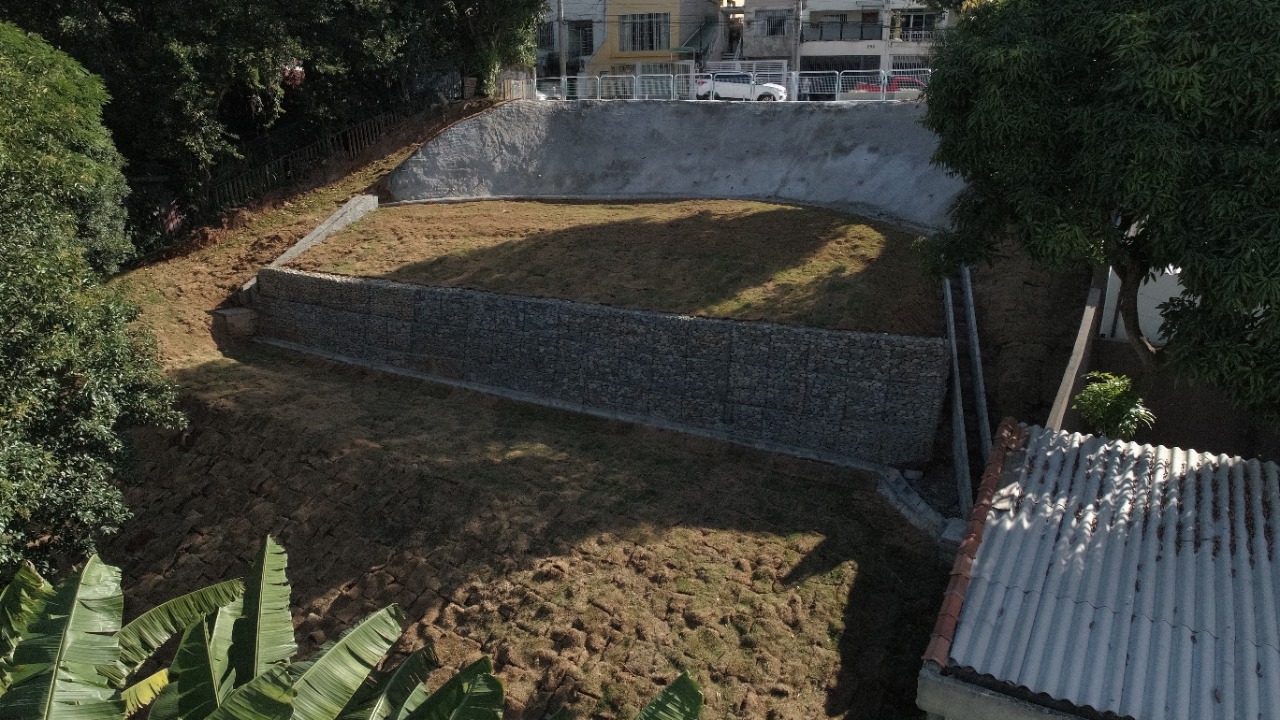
(610, 54)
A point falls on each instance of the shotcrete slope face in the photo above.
(870, 159)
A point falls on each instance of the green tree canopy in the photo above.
(58, 165)
(1143, 134)
(191, 80)
(74, 370)
(496, 33)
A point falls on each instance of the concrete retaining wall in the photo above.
(871, 397)
(872, 159)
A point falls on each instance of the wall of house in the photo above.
(686, 17)
(946, 698)
(871, 397)
(576, 10)
(891, 45)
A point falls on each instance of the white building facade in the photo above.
(842, 34)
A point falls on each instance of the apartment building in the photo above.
(628, 36)
(841, 34)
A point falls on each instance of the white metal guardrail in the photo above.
(848, 85)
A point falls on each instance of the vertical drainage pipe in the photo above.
(959, 446)
(975, 360)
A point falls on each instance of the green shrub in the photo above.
(1109, 406)
(74, 369)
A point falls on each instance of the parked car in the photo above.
(737, 86)
(902, 83)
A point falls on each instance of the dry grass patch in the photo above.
(592, 560)
(719, 258)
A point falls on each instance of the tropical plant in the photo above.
(64, 655)
(1139, 134)
(1110, 406)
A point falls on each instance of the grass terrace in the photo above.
(716, 258)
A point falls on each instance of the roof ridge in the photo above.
(1010, 436)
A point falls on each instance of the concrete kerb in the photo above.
(889, 480)
(351, 211)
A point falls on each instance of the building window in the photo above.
(582, 39)
(546, 36)
(646, 31)
(772, 22)
(916, 26)
(918, 21)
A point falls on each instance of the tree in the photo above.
(194, 80)
(64, 653)
(1141, 134)
(74, 369)
(57, 160)
(497, 33)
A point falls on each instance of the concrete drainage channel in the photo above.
(710, 367)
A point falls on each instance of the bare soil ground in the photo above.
(720, 258)
(591, 559)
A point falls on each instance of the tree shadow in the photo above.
(772, 262)
(591, 558)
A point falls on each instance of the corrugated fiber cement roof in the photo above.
(1129, 579)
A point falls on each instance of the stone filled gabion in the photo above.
(870, 397)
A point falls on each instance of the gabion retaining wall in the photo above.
(871, 397)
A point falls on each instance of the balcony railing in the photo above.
(916, 36)
(769, 27)
(824, 31)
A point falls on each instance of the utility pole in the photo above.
(564, 49)
(795, 39)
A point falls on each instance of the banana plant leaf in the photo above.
(204, 677)
(144, 692)
(268, 696)
(20, 602)
(681, 700)
(263, 634)
(326, 685)
(396, 693)
(472, 694)
(54, 668)
(140, 638)
(165, 706)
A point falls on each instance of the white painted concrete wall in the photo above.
(1150, 296)
(871, 159)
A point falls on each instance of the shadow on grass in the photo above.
(748, 261)
(590, 558)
